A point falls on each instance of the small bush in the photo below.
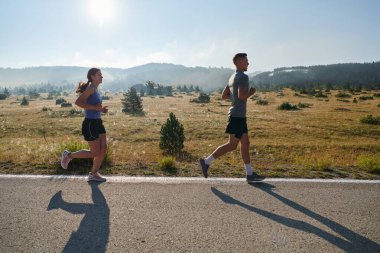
(66, 104)
(344, 100)
(365, 97)
(60, 101)
(342, 95)
(370, 163)
(377, 95)
(287, 106)
(105, 98)
(45, 109)
(3, 96)
(167, 163)
(202, 98)
(320, 95)
(304, 105)
(369, 119)
(254, 97)
(262, 102)
(59, 114)
(354, 101)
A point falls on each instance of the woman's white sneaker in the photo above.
(65, 159)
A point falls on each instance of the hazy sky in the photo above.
(127, 33)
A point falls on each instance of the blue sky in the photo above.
(126, 33)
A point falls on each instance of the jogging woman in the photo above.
(92, 127)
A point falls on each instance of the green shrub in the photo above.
(262, 102)
(342, 95)
(60, 101)
(369, 119)
(304, 105)
(255, 97)
(66, 104)
(377, 95)
(45, 109)
(365, 97)
(172, 135)
(202, 98)
(2, 96)
(320, 95)
(59, 114)
(343, 100)
(167, 163)
(287, 106)
(370, 163)
(355, 100)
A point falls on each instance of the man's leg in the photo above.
(244, 150)
(221, 150)
(227, 147)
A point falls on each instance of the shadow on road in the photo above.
(94, 229)
(354, 242)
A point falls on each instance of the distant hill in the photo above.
(335, 76)
(119, 79)
(346, 75)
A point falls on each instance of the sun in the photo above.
(102, 11)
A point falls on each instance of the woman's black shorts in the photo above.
(237, 126)
(91, 128)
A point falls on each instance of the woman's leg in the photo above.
(93, 152)
(98, 160)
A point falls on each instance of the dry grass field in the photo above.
(325, 140)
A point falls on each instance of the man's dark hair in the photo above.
(238, 56)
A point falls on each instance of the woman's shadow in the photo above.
(94, 229)
(353, 242)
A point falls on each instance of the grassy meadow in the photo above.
(326, 139)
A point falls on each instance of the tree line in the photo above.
(348, 76)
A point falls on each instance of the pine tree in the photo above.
(132, 103)
(24, 101)
(6, 92)
(172, 135)
(150, 86)
(169, 91)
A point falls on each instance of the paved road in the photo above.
(69, 215)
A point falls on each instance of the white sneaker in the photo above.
(97, 178)
(65, 159)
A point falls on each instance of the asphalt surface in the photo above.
(53, 214)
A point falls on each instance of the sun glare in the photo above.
(102, 11)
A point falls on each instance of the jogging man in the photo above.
(238, 91)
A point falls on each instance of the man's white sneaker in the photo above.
(65, 159)
(96, 177)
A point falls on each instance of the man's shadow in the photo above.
(94, 229)
(354, 242)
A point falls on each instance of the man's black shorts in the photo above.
(91, 128)
(237, 126)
